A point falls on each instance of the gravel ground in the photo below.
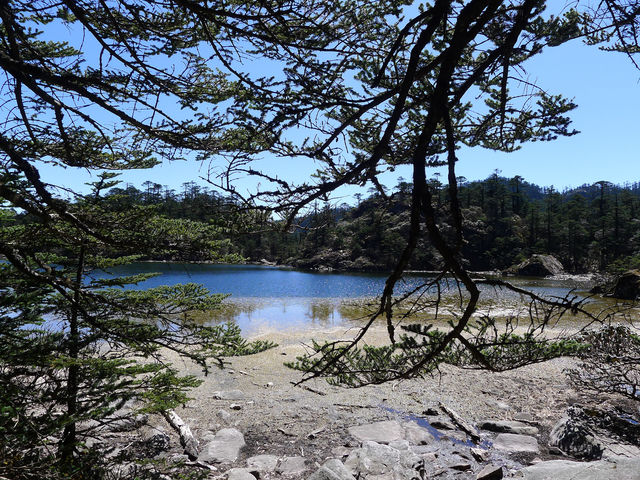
(279, 418)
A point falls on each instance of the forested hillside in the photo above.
(505, 220)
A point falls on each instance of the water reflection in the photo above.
(270, 298)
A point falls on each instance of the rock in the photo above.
(377, 459)
(429, 457)
(456, 436)
(235, 406)
(292, 466)
(425, 449)
(153, 446)
(400, 444)
(524, 417)
(440, 423)
(390, 431)
(224, 448)
(574, 438)
(620, 469)
(431, 412)
(627, 286)
(340, 451)
(332, 469)
(223, 415)
(538, 266)
(507, 426)
(512, 442)
(612, 449)
(490, 472)
(127, 422)
(379, 432)
(460, 466)
(263, 463)
(228, 395)
(480, 454)
(240, 474)
(417, 435)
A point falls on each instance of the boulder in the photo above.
(538, 266)
(376, 459)
(574, 438)
(627, 286)
(224, 447)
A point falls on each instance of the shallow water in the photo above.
(272, 298)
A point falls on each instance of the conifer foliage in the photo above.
(353, 87)
(77, 347)
(88, 84)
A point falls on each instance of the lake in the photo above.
(265, 298)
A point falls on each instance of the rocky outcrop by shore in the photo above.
(537, 266)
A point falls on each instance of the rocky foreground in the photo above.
(250, 422)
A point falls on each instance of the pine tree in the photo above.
(77, 346)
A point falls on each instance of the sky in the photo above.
(606, 87)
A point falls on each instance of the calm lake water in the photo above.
(264, 298)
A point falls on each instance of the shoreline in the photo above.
(257, 395)
(581, 276)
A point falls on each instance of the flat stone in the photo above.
(417, 435)
(292, 466)
(620, 450)
(490, 472)
(224, 448)
(263, 463)
(512, 442)
(618, 469)
(228, 395)
(379, 432)
(239, 474)
(507, 426)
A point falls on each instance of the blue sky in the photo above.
(604, 85)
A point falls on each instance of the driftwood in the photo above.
(460, 422)
(187, 440)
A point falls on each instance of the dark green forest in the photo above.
(505, 220)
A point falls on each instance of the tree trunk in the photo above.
(69, 440)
